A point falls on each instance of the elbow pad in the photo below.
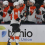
(21, 16)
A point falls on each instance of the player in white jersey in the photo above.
(6, 17)
(42, 9)
(22, 7)
(38, 14)
(15, 23)
(31, 16)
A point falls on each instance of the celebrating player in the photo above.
(15, 23)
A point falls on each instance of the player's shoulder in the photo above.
(42, 6)
(15, 9)
(8, 6)
(33, 7)
(23, 4)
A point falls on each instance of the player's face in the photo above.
(17, 6)
(31, 3)
(44, 4)
(21, 5)
(28, 3)
(4, 5)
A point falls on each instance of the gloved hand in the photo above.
(37, 6)
(9, 11)
(21, 16)
(37, 11)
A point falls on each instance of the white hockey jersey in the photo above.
(6, 16)
(22, 10)
(42, 9)
(15, 16)
(31, 16)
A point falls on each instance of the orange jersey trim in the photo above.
(16, 15)
(42, 6)
(32, 9)
(5, 11)
(21, 8)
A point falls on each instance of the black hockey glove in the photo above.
(11, 7)
(37, 11)
(9, 11)
(37, 8)
(17, 19)
(43, 12)
(21, 16)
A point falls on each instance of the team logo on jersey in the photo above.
(16, 13)
(32, 10)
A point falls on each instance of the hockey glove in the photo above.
(9, 11)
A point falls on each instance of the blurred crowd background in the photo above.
(40, 2)
(36, 1)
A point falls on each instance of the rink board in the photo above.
(22, 43)
(30, 35)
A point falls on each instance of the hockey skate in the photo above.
(17, 44)
(8, 43)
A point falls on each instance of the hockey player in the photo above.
(35, 14)
(6, 17)
(38, 14)
(22, 7)
(42, 9)
(31, 16)
(15, 23)
(11, 4)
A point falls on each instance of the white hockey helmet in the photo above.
(33, 1)
(21, 1)
(44, 1)
(15, 3)
(5, 2)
